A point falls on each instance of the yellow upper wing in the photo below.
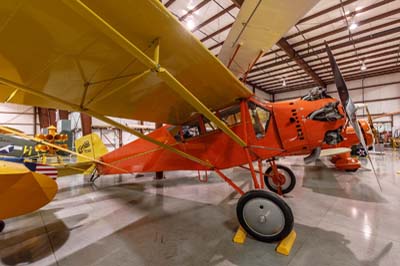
(259, 25)
(49, 47)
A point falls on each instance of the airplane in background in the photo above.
(12, 146)
(160, 72)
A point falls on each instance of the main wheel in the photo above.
(264, 215)
(287, 177)
(2, 225)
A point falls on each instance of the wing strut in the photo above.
(152, 64)
(103, 118)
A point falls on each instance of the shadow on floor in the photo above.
(28, 246)
(183, 238)
(329, 181)
(178, 232)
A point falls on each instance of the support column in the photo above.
(159, 175)
(52, 117)
(44, 121)
(34, 121)
(86, 122)
(120, 144)
(63, 115)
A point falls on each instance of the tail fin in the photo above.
(90, 146)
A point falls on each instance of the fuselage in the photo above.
(269, 129)
(16, 147)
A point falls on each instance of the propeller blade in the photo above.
(348, 105)
(371, 125)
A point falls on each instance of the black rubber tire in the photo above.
(281, 168)
(282, 205)
(2, 225)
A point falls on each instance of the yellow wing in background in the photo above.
(22, 191)
(259, 25)
(53, 47)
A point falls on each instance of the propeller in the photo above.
(348, 104)
(371, 124)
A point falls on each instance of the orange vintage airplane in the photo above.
(133, 59)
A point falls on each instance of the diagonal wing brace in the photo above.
(152, 64)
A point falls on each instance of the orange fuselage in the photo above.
(288, 130)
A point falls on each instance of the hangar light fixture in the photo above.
(353, 26)
(363, 66)
(190, 24)
(283, 83)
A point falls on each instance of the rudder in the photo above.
(90, 146)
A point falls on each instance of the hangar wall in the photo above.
(18, 116)
(263, 95)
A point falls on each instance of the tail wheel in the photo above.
(2, 225)
(287, 179)
(264, 216)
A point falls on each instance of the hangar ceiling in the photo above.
(363, 34)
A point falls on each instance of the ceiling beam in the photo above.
(238, 3)
(170, 2)
(339, 18)
(318, 14)
(325, 11)
(365, 74)
(194, 9)
(214, 17)
(288, 49)
(345, 37)
(345, 28)
(351, 89)
(216, 33)
(378, 53)
(269, 79)
(265, 65)
(215, 45)
(352, 69)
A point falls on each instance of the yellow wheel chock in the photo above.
(240, 236)
(284, 247)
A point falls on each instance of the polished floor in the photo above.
(340, 219)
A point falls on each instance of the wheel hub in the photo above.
(262, 219)
(263, 216)
(280, 180)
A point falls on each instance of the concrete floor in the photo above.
(340, 219)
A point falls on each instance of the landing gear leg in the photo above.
(94, 176)
(2, 225)
(279, 179)
(264, 215)
(261, 214)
